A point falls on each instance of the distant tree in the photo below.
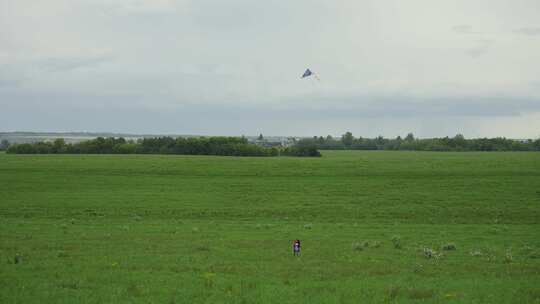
(125, 148)
(22, 149)
(59, 146)
(459, 137)
(302, 151)
(261, 137)
(536, 144)
(410, 137)
(4, 144)
(347, 139)
(459, 142)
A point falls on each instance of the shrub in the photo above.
(508, 257)
(18, 258)
(527, 248)
(396, 241)
(429, 253)
(476, 253)
(70, 285)
(359, 246)
(449, 246)
(302, 151)
(356, 246)
(534, 255)
(491, 257)
(530, 252)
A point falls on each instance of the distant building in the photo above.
(273, 141)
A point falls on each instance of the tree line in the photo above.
(224, 146)
(4, 144)
(410, 143)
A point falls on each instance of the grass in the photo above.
(180, 229)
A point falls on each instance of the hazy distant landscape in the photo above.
(76, 137)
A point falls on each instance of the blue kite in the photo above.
(308, 73)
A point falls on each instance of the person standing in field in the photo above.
(296, 248)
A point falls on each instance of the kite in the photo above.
(308, 73)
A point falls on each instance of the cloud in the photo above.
(63, 64)
(242, 59)
(27, 74)
(529, 31)
(465, 29)
(409, 106)
(10, 77)
(366, 116)
(481, 45)
(6, 82)
(481, 48)
(135, 7)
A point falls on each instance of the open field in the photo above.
(181, 229)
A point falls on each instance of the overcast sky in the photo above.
(215, 67)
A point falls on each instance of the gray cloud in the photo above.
(529, 31)
(61, 64)
(206, 66)
(466, 29)
(385, 116)
(9, 82)
(481, 45)
(9, 77)
(481, 48)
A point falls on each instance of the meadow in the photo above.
(376, 227)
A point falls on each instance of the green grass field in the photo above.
(180, 229)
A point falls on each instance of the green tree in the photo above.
(4, 144)
(347, 139)
(460, 141)
(536, 144)
(410, 137)
(59, 145)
